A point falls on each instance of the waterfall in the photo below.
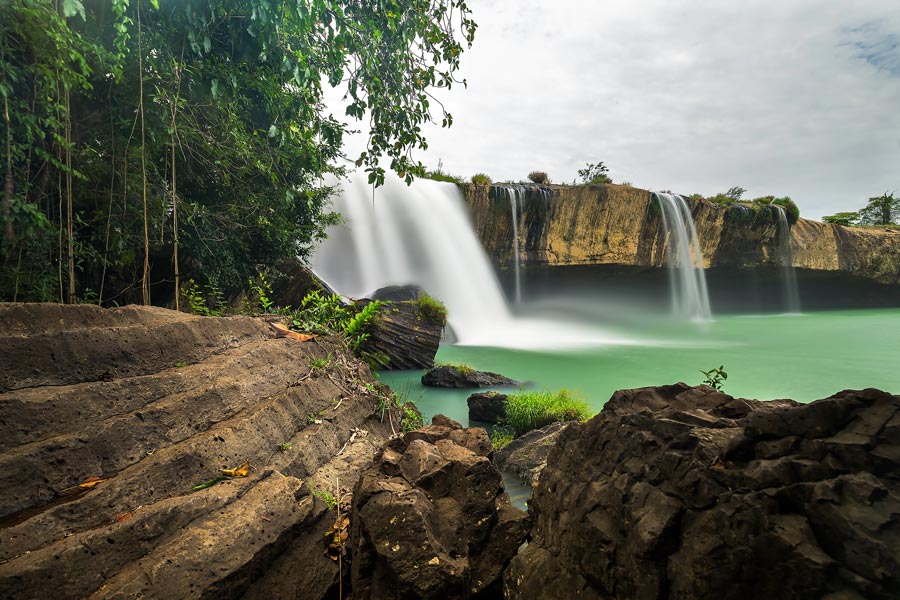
(512, 193)
(785, 254)
(690, 297)
(422, 234)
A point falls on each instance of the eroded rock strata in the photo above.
(156, 402)
(620, 225)
(680, 492)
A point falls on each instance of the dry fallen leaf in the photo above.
(337, 538)
(123, 517)
(91, 482)
(282, 331)
(240, 471)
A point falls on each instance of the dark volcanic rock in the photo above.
(680, 492)
(451, 376)
(527, 455)
(487, 407)
(431, 520)
(401, 335)
(156, 402)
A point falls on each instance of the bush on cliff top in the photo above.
(481, 179)
(539, 177)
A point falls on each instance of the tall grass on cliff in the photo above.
(533, 410)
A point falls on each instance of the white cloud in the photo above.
(794, 98)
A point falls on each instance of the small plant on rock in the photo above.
(431, 309)
(412, 420)
(501, 436)
(715, 378)
(285, 446)
(327, 497)
(533, 410)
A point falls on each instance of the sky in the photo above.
(796, 98)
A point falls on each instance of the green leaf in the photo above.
(72, 8)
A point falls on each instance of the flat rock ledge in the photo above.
(156, 402)
(431, 520)
(453, 376)
(681, 492)
(526, 456)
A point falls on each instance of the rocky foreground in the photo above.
(680, 492)
(146, 453)
(155, 402)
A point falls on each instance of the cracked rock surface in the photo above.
(681, 492)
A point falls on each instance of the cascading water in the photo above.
(690, 297)
(421, 234)
(785, 254)
(513, 192)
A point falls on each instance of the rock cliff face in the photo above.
(680, 492)
(621, 225)
(155, 402)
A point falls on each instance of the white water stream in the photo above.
(786, 256)
(690, 297)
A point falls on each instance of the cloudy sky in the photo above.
(784, 97)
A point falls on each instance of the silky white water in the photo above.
(690, 297)
(786, 257)
(513, 193)
(421, 234)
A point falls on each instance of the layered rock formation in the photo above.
(431, 520)
(153, 403)
(680, 492)
(620, 225)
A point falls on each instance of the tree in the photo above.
(594, 173)
(218, 106)
(881, 210)
(847, 219)
(735, 192)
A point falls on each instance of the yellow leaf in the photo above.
(91, 482)
(240, 471)
(282, 331)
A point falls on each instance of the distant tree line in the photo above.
(881, 210)
(150, 141)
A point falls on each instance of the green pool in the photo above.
(804, 357)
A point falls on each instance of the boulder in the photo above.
(461, 376)
(487, 407)
(430, 518)
(402, 335)
(680, 492)
(527, 455)
(154, 402)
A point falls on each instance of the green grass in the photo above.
(533, 410)
(501, 436)
(431, 309)
(463, 368)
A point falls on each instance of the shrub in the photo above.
(431, 309)
(847, 219)
(533, 410)
(501, 436)
(594, 173)
(481, 179)
(539, 177)
(791, 210)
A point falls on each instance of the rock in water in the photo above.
(526, 456)
(431, 520)
(461, 376)
(680, 492)
(487, 407)
(403, 335)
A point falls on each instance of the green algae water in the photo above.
(804, 357)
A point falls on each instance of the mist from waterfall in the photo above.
(786, 257)
(421, 234)
(689, 294)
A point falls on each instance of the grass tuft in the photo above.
(533, 410)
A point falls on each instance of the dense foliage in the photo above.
(594, 173)
(151, 141)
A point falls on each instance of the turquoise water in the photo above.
(804, 357)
